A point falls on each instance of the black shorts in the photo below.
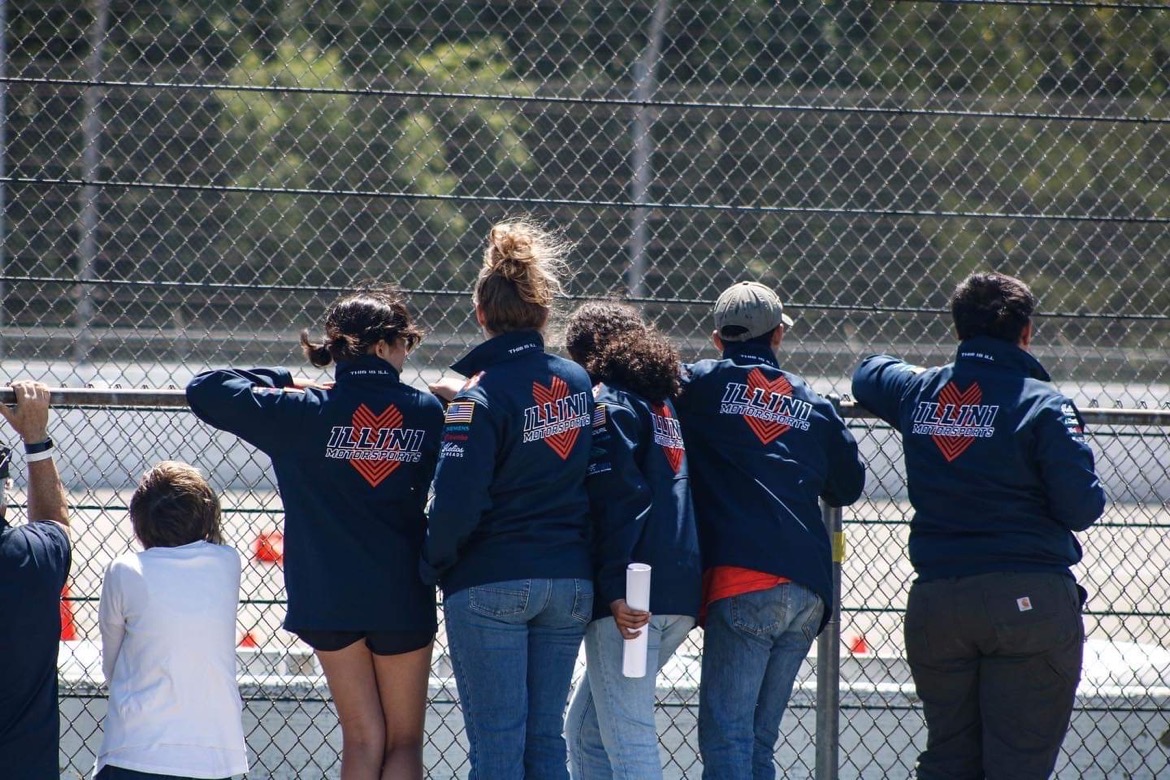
(379, 642)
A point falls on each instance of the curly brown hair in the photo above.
(359, 320)
(615, 346)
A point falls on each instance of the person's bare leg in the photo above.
(402, 687)
(354, 687)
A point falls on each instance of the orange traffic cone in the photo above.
(269, 547)
(249, 640)
(68, 627)
(858, 645)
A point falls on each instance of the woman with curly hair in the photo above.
(640, 501)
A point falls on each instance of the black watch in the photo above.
(40, 446)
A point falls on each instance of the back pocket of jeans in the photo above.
(583, 601)
(499, 598)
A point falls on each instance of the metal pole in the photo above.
(829, 659)
(644, 84)
(3, 164)
(87, 225)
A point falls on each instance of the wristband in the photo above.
(43, 455)
(38, 447)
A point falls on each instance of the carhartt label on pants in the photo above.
(1024, 603)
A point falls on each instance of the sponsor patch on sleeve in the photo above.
(599, 467)
(599, 416)
(1072, 421)
(262, 390)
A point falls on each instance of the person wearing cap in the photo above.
(763, 449)
(34, 564)
(1000, 476)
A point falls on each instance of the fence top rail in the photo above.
(143, 397)
(1159, 418)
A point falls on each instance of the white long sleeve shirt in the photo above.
(168, 625)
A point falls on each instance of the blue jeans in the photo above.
(513, 646)
(610, 725)
(753, 646)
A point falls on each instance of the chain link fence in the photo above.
(189, 185)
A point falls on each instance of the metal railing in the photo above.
(859, 668)
(189, 185)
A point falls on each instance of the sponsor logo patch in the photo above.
(258, 390)
(1072, 421)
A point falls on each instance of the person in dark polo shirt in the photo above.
(34, 563)
(1000, 476)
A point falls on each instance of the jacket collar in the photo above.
(506, 346)
(366, 366)
(749, 354)
(988, 350)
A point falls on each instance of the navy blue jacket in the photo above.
(763, 448)
(353, 464)
(998, 469)
(640, 499)
(510, 500)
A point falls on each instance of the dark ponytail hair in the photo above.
(611, 342)
(358, 321)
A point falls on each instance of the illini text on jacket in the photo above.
(557, 416)
(764, 404)
(349, 443)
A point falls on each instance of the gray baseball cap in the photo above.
(746, 310)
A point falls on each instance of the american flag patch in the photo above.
(599, 416)
(460, 412)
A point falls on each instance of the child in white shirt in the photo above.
(168, 625)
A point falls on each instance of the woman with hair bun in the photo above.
(641, 504)
(507, 534)
(353, 461)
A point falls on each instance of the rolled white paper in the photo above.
(637, 597)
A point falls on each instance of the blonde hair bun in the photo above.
(519, 280)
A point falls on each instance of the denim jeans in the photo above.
(610, 726)
(513, 646)
(753, 646)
